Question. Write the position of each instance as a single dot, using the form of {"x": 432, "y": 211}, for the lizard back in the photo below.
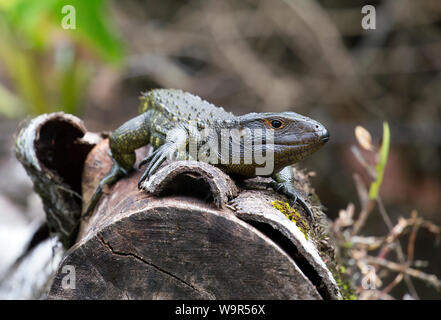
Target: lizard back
{"x": 169, "y": 108}
{"x": 183, "y": 107}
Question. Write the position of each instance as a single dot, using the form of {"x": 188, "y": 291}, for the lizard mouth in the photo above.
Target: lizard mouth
{"x": 304, "y": 141}
{"x": 306, "y": 147}
{"x": 325, "y": 137}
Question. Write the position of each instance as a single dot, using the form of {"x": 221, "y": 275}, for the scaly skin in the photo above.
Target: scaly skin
{"x": 182, "y": 116}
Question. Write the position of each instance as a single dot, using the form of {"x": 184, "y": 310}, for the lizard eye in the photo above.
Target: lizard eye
{"x": 276, "y": 124}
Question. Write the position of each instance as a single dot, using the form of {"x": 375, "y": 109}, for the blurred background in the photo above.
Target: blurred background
{"x": 308, "y": 56}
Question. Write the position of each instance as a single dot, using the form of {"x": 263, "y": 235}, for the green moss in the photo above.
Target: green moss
{"x": 293, "y": 215}
{"x": 346, "y": 290}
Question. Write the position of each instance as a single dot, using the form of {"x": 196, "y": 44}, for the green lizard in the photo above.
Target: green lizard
{"x": 172, "y": 119}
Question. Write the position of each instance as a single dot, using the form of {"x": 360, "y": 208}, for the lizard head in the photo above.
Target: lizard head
{"x": 295, "y": 136}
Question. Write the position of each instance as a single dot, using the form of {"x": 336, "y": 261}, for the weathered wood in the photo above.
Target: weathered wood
{"x": 52, "y": 148}
{"x": 177, "y": 244}
{"x": 212, "y": 182}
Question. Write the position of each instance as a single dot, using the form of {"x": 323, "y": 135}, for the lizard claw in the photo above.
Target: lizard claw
{"x": 295, "y": 200}
{"x": 156, "y": 159}
{"x": 146, "y": 159}
{"x": 141, "y": 180}
{"x": 304, "y": 206}
{"x": 289, "y": 191}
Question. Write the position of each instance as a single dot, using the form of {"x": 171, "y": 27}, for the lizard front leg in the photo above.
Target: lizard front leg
{"x": 284, "y": 183}
{"x": 123, "y": 142}
{"x": 174, "y": 145}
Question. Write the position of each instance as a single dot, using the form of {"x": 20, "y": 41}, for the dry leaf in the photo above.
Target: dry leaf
{"x": 364, "y": 138}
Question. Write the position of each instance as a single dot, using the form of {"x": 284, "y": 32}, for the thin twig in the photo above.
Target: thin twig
{"x": 398, "y": 248}
{"x": 429, "y": 278}
{"x": 359, "y": 223}
{"x": 412, "y": 239}
{"x": 393, "y": 284}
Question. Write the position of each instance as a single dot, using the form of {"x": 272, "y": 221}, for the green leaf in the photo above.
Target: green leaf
{"x": 33, "y": 32}
{"x": 384, "y": 153}
{"x": 36, "y": 21}
{"x": 30, "y": 20}
{"x": 93, "y": 27}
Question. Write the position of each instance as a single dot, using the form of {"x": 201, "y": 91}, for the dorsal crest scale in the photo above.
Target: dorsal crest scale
{"x": 182, "y": 105}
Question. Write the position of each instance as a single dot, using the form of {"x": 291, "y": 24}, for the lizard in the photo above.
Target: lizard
{"x": 167, "y": 121}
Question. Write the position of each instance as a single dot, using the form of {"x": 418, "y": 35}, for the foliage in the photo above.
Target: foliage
{"x": 48, "y": 68}
{"x": 381, "y": 165}
{"x": 368, "y": 261}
